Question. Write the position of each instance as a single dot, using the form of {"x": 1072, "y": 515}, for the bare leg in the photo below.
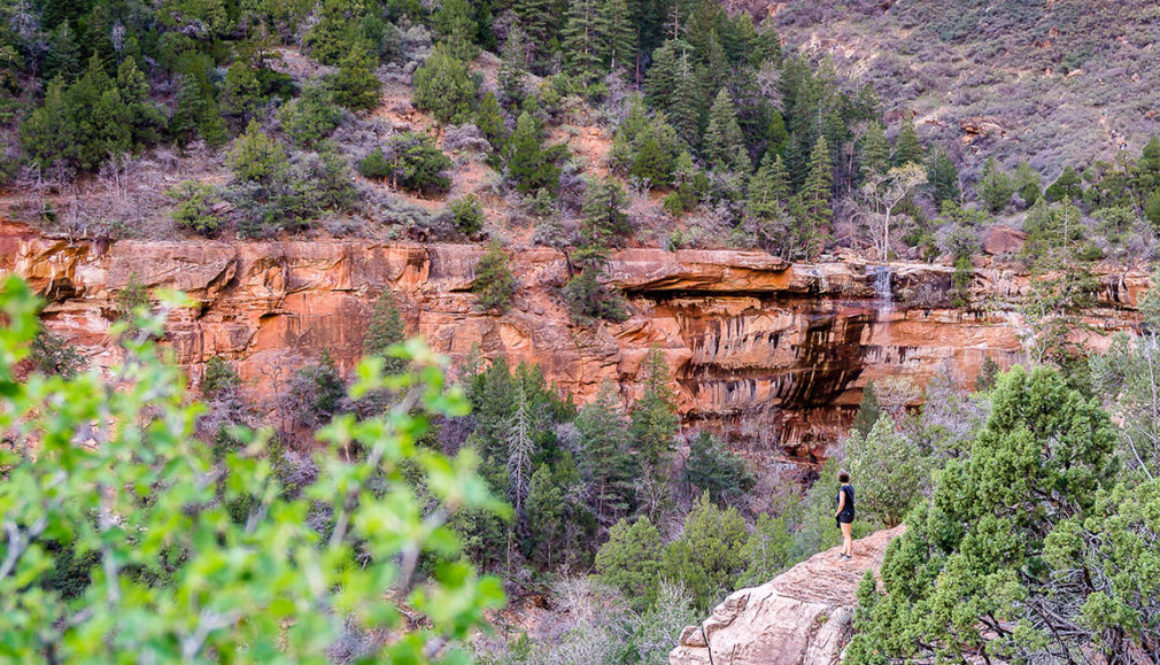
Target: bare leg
{"x": 847, "y": 540}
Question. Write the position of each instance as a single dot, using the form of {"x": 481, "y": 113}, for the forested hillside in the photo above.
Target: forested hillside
{"x": 345, "y": 517}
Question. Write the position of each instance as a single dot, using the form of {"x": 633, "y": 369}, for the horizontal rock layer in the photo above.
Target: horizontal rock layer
{"x": 777, "y": 352}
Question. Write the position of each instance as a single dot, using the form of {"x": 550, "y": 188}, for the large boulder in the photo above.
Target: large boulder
{"x": 802, "y": 617}
{"x": 1002, "y": 239}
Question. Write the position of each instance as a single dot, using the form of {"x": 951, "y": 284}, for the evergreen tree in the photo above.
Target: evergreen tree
{"x": 907, "y": 147}
{"x": 1069, "y": 185}
{"x": 536, "y": 18}
{"x": 707, "y": 556}
{"x": 617, "y": 34}
{"x": 687, "y": 103}
{"x": 631, "y": 561}
{"x": 660, "y": 80}
{"x": 256, "y": 157}
{"x": 724, "y": 146}
{"x": 528, "y": 164}
{"x": 768, "y": 552}
{"x": 943, "y": 178}
{"x": 513, "y": 66}
{"x": 545, "y": 509}
{"x": 654, "y": 416}
{"x": 241, "y": 94}
{"x": 583, "y": 45}
{"x": 890, "y": 471}
{"x": 869, "y": 410}
{"x": 875, "y": 155}
{"x": 337, "y": 30}
{"x": 814, "y": 212}
{"x": 50, "y": 134}
{"x": 604, "y": 221}
{"x": 197, "y": 113}
{"x": 964, "y": 559}
{"x": 1027, "y": 183}
{"x": 456, "y": 26}
{"x": 767, "y": 197}
{"x": 988, "y": 375}
{"x": 386, "y": 329}
{"x": 494, "y": 283}
{"x": 714, "y": 469}
{"x": 445, "y": 87}
{"x": 606, "y": 459}
{"x": 995, "y": 188}
{"x": 355, "y": 84}
{"x": 63, "y": 57}
{"x": 490, "y": 121}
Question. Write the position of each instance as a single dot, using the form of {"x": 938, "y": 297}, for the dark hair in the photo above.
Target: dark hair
{"x": 843, "y": 477}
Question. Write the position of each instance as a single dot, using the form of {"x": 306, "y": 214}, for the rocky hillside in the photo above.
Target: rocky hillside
{"x": 776, "y": 353}
{"x": 1056, "y": 81}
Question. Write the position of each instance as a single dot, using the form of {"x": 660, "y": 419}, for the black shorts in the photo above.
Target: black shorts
{"x": 845, "y": 518}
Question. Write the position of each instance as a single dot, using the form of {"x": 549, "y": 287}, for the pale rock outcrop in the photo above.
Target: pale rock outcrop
{"x": 802, "y": 617}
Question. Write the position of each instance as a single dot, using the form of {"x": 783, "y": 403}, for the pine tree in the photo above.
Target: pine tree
{"x": 769, "y": 189}
{"x": 707, "y": 556}
{"x": 604, "y": 221}
{"x": 724, "y": 146}
{"x": 49, "y": 135}
{"x": 890, "y": 471}
{"x": 545, "y": 509}
{"x": 445, "y": 87}
{"x": 1069, "y": 185}
{"x": 907, "y": 147}
{"x": 513, "y": 67}
{"x": 336, "y": 31}
{"x": 617, "y": 34}
{"x": 875, "y": 155}
{"x": 1027, "y": 183}
{"x": 256, "y": 157}
{"x": 456, "y": 26}
{"x": 241, "y": 95}
{"x": 490, "y": 121}
{"x": 494, "y": 283}
{"x": 527, "y": 165}
{"x": 536, "y": 18}
{"x": 943, "y": 178}
{"x": 654, "y": 417}
{"x": 606, "y": 459}
{"x": 988, "y": 374}
{"x": 714, "y": 469}
{"x": 813, "y": 212}
{"x": 868, "y": 410}
{"x": 583, "y": 46}
{"x": 197, "y": 113}
{"x": 768, "y": 552}
{"x": 63, "y": 57}
{"x": 660, "y": 79}
{"x": 386, "y": 329}
{"x": 355, "y": 84}
{"x": 687, "y": 104}
{"x": 631, "y": 561}
{"x": 995, "y": 188}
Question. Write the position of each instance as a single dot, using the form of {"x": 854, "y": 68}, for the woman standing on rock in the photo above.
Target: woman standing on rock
{"x": 845, "y": 514}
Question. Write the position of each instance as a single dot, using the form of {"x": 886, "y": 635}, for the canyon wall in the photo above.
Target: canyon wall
{"x": 776, "y": 353}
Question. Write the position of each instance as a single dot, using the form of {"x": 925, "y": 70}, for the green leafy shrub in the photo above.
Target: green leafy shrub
{"x": 588, "y": 300}
{"x": 53, "y": 356}
{"x": 311, "y": 117}
{"x": 355, "y": 84}
{"x": 411, "y": 161}
{"x": 467, "y": 212}
{"x": 445, "y": 87}
{"x": 194, "y": 209}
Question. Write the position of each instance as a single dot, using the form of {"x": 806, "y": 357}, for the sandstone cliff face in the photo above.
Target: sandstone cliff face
{"x": 802, "y": 617}
{"x": 779, "y": 350}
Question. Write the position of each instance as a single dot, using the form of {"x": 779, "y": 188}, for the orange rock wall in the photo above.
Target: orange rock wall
{"x": 776, "y": 353}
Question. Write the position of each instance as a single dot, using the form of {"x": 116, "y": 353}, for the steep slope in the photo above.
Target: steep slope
{"x": 776, "y": 353}
{"x": 801, "y": 617}
{"x": 1056, "y": 81}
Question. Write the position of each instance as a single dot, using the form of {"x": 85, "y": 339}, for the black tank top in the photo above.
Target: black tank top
{"x": 848, "y": 509}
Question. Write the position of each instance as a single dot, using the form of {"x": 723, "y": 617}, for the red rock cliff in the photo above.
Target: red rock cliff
{"x": 780, "y": 350}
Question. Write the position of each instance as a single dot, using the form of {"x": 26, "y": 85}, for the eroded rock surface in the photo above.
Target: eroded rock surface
{"x": 802, "y": 617}
{"x": 774, "y": 351}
